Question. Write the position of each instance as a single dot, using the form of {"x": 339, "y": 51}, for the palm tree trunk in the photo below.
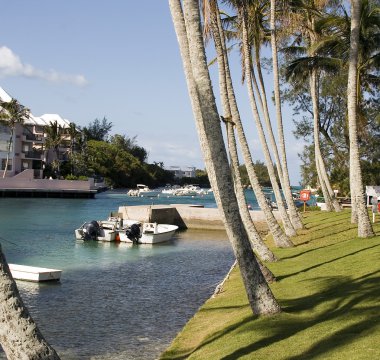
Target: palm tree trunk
{"x": 279, "y": 237}
{"x": 356, "y": 183}
{"x": 254, "y": 237}
{"x": 289, "y": 229}
{"x": 326, "y": 196}
{"x": 20, "y": 337}
{"x": 282, "y": 165}
{"x": 8, "y": 152}
{"x": 210, "y": 135}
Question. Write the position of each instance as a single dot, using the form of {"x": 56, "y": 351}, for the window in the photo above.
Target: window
{"x": 4, "y": 161}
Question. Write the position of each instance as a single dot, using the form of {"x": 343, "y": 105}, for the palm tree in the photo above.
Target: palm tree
{"x": 20, "y": 337}
{"x": 242, "y": 13}
{"x": 280, "y": 238}
{"x": 217, "y": 33}
{"x": 52, "y": 142}
{"x": 11, "y": 114}
{"x": 336, "y": 45}
{"x": 282, "y": 165}
{"x": 191, "y": 44}
{"x": 73, "y": 132}
{"x": 356, "y": 183}
{"x": 307, "y": 67}
{"x": 223, "y": 66}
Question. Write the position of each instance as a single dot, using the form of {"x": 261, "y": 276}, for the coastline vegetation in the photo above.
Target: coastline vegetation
{"x": 328, "y": 290}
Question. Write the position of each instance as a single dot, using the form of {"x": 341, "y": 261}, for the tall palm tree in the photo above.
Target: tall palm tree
{"x": 242, "y": 13}
{"x": 191, "y": 44}
{"x": 258, "y": 35}
{"x": 336, "y": 45}
{"x": 11, "y": 114}
{"x": 282, "y": 164}
{"x": 218, "y": 36}
{"x": 280, "y": 238}
{"x": 73, "y": 132}
{"x": 356, "y": 183}
{"x": 306, "y": 12}
{"x": 53, "y": 140}
{"x": 20, "y": 337}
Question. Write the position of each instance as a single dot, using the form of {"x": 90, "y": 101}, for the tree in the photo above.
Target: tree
{"x": 308, "y": 68}
{"x": 282, "y": 165}
{"x": 54, "y": 138}
{"x": 356, "y": 184}
{"x": 74, "y": 134}
{"x": 98, "y": 130}
{"x": 129, "y": 144}
{"x": 20, "y": 337}
{"x": 218, "y": 36}
{"x": 280, "y": 238}
{"x": 246, "y": 53}
{"x": 12, "y": 113}
{"x": 187, "y": 26}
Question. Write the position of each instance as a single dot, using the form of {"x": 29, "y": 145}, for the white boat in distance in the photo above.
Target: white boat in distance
{"x": 97, "y": 230}
{"x": 186, "y": 190}
{"x": 143, "y": 190}
{"x": 33, "y": 273}
{"x": 147, "y": 233}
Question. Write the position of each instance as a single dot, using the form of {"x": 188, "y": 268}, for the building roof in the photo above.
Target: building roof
{"x": 43, "y": 120}
{"x": 4, "y": 96}
{"x": 51, "y": 118}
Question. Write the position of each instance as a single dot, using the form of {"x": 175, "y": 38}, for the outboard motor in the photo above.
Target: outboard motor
{"x": 91, "y": 230}
{"x": 133, "y": 233}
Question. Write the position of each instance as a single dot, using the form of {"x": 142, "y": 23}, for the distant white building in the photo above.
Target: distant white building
{"x": 180, "y": 172}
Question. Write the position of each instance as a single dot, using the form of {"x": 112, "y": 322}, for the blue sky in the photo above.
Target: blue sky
{"x": 119, "y": 59}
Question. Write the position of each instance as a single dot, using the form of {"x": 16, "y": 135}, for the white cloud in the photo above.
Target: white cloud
{"x": 11, "y": 65}
{"x": 181, "y": 154}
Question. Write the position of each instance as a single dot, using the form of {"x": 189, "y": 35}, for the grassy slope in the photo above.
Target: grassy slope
{"x": 328, "y": 287}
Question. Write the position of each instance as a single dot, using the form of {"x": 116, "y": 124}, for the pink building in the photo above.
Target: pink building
{"x": 28, "y": 151}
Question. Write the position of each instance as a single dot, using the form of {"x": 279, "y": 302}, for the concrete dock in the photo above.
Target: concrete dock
{"x": 183, "y": 215}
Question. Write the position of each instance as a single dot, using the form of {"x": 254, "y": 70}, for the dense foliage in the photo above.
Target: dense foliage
{"x": 117, "y": 158}
{"x": 329, "y": 56}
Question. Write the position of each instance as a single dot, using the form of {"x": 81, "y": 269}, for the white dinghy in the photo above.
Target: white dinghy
{"x": 33, "y": 273}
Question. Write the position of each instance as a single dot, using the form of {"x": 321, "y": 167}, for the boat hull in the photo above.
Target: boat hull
{"x": 105, "y": 235}
{"x": 152, "y": 234}
{"x": 34, "y": 274}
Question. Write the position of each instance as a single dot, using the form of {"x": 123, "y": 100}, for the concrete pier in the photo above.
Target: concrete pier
{"x": 183, "y": 215}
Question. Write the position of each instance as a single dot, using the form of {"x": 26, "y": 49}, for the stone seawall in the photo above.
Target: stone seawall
{"x": 184, "y": 216}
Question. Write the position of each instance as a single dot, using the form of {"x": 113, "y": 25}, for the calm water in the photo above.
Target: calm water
{"x": 114, "y": 301}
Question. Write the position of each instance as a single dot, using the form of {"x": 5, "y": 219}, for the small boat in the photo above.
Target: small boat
{"x": 186, "y": 190}
{"x": 143, "y": 190}
{"x": 97, "y": 230}
{"x": 35, "y": 274}
{"x": 147, "y": 233}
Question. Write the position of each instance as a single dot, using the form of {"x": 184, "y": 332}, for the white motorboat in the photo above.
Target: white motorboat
{"x": 147, "y": 233}
{"x": 186, "y": 190}
{"x": 143, "y": 190}
{"x": 97, "y": 230}
{"x": 33, "y": 273}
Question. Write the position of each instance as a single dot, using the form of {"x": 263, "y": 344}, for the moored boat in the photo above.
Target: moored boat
{"x": 143, "y": 190}
{"x": 97, "y": 230}
{"x": 33, "y": 273}
{"x": 147, "y": 233}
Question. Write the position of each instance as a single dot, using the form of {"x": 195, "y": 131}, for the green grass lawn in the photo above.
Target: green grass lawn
{"x": 329, "y": 290}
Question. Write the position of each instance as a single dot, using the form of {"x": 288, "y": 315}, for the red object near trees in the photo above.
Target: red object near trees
{"x": 305, "y": 195}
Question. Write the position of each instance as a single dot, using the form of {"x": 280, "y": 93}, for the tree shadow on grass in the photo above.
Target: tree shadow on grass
{"x": 344, "y": 297}
{"x": 326, "y": 262}
{"x": 324, "y": 236}
{"x": 311, "y": 250}
{"x": 327, "y": 219}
